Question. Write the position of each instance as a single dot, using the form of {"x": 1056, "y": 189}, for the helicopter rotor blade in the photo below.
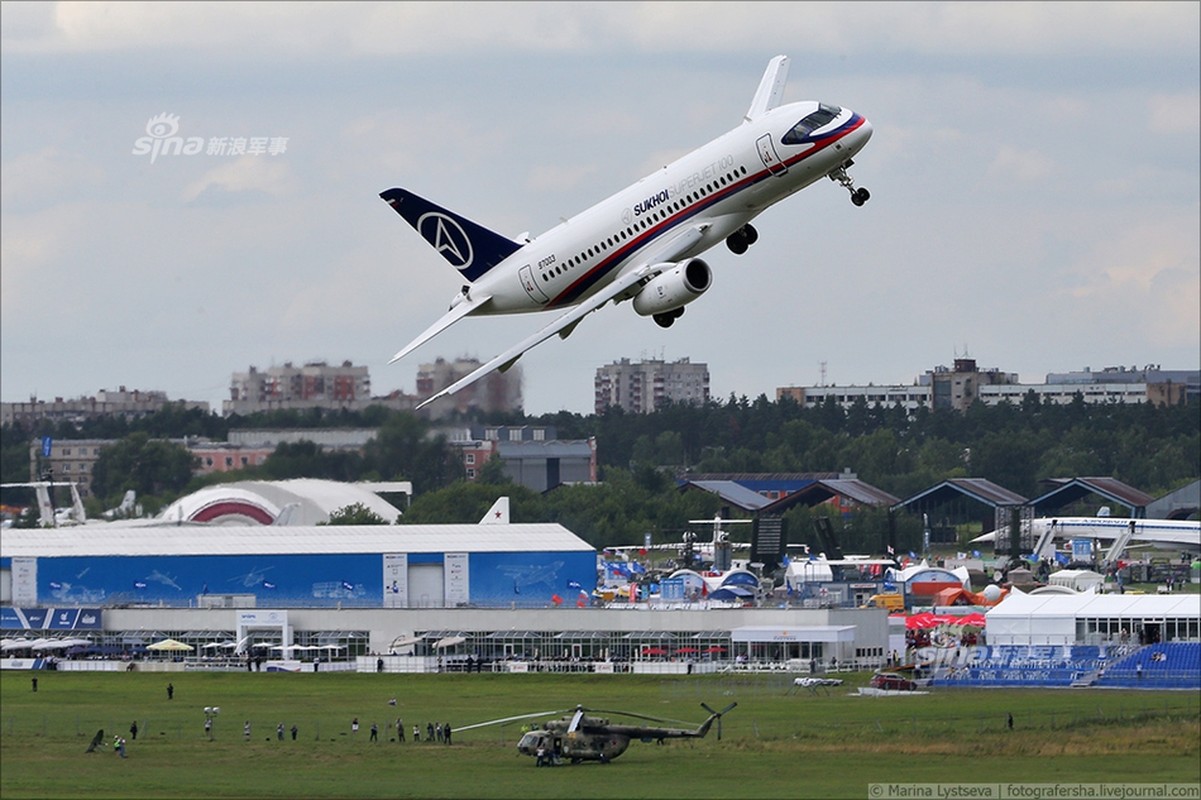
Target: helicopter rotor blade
{"x": 718, "y": 715}
{"x": 635, "y": 715}
{"x": 506, "y": 720}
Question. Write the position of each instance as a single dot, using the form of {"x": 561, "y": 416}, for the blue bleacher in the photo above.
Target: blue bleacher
{"x": 1171, "y": 665}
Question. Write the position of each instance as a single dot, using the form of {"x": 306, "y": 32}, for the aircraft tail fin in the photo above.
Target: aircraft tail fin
{"x": 470, "y": 248}
{"x": 771, "y": 88}
{"x": 499, "y": 513}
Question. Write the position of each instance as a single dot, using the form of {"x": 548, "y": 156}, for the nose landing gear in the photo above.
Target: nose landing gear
{"x": 840, "y": 176}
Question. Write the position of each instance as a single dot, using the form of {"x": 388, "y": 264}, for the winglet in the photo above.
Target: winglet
{"x": 771, "y": 88}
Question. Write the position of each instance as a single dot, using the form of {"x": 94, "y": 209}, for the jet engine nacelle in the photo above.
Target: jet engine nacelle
{"x": 674, "y": 288}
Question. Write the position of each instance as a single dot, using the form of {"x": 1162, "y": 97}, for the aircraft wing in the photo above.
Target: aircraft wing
{"x": 456, "y": 313}
{"x": 565, "y": 323}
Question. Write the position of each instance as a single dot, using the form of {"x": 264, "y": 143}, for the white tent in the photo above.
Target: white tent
{"x": 1078, "y": 579}
{"x": 1026, "y": 619}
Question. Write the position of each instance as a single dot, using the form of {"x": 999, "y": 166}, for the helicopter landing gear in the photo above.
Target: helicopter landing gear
{"x": 741, "y": 239}
{"x": 665, "y": 319}
{"x": 840, "y": 176}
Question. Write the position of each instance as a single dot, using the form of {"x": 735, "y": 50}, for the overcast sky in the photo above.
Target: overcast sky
{"x": 1034, "y": 174}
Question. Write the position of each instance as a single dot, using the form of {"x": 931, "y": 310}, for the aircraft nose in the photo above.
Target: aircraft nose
{"x": 862, "y": 133}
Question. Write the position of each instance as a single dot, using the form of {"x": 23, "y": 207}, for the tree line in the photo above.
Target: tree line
{"x": 1153, "y": 448}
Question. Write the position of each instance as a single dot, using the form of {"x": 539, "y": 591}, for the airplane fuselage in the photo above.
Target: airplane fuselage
{"x": 1173, "y": 533}
{"x": 716, "y": 190}
{"x": 642, "y": 243}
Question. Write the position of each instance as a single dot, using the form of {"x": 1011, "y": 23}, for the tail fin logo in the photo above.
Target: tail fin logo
{"x": 447, "y": 236}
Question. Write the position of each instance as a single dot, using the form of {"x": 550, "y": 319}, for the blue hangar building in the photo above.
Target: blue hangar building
{"x": 359, "y": 566}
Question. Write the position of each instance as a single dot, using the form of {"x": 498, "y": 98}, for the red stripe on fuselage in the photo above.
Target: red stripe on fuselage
{"x": 571, "y": 294}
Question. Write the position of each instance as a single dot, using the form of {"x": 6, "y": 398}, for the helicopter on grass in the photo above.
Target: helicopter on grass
{"x": 578, "y": 736}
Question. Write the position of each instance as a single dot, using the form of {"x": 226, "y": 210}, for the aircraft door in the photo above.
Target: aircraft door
{"x": 767, "y": 153}
{"x": 530, "y": 284}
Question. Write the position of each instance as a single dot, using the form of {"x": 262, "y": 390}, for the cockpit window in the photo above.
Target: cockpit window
{"x": 823, "y": 116}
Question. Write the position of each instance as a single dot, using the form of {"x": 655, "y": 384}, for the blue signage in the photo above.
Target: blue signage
{"x": 49, "y": 619}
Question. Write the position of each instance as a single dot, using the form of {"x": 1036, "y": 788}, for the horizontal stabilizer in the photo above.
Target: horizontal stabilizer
{"x": 456, "y": 313}
{"x": 469, "y": 247}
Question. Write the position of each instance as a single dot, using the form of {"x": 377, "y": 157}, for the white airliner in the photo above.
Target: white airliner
{"x": 642, "y": 243}
{"x": 1185, "y": 534}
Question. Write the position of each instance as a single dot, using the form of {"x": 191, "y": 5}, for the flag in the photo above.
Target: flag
{"x": 268, "y": 585}
{"x": 558, "y": 601}
{"x": 348, "y": 586}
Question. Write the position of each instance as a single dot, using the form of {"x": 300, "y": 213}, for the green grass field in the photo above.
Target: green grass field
{"x": 776, "y": 743}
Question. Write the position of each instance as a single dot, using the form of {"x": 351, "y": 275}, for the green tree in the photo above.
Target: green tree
{"x": 404, "y": 449}
{"x": 354, "y": 514}
{"x": 151, "y": 467}
{"x": 305, "y": 459}
{"x": 492, "y": 473}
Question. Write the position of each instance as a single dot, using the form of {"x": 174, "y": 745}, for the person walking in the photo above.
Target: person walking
{"x": 354, "y": 725}
{"x": 208, "y": 728}
{"x": 400, "y": 729}
{"x": 279, "y": 731}
{"x": 170, "y": 691}
{"x": 246, "y": 731}
{"x": 295, "y": 731}
{"x": 133, "y": 730}
{"x": 374, "y": 732}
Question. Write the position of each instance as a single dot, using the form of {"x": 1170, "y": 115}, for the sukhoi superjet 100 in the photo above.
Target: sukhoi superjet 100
{"x": 642, "y": 244}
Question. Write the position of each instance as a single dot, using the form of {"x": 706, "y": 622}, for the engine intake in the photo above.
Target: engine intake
{"x": 674, "y": 288}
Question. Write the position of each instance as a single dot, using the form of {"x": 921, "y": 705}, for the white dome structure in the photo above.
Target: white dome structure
{"x": 303, "y": 501}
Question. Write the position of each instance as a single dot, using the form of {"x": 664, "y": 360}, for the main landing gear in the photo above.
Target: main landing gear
{"x": 741, "y": 239}
{"x": 665, "y": 319}
{"x": 840, "y": 176}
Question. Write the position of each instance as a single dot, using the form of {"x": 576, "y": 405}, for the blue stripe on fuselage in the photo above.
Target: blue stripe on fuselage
{"x": 581, "y": 285}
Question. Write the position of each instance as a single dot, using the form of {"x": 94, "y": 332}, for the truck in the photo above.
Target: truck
{"x": 891, "y": 601}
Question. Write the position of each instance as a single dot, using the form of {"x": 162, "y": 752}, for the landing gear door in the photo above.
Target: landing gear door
{"x": 767, "y": 152}
{"x": 531, "y": 286}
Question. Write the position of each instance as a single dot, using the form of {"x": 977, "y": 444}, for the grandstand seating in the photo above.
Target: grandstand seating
{"x": 1170, "y": 665}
